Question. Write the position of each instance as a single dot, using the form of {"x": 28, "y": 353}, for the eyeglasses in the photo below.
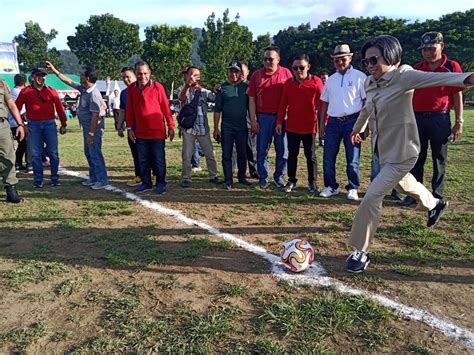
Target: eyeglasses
{"x": 372, "y": 60}
{"x": 298, "y": 67}
{"x": 268, "y": 59}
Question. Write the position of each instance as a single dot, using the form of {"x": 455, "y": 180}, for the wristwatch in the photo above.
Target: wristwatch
{"x": 91, "y": 134}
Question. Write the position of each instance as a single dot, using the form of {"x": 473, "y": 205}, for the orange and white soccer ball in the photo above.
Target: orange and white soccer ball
{"x": 297, "y": 255}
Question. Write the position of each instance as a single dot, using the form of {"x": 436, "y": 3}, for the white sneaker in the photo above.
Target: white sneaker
{"x": 87, "y": 182}
{"x": 197, "y": 168}
{"x": 99, "y": 185}
{"x": 329, "y": 191}
{"x": 352, "y": 195}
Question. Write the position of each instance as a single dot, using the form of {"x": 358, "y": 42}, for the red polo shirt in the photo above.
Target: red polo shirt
{"x": 267, "y": 88}
{"x": 299, "y": 102}
{"x": 435, "y": 98}
{"x": 147, "y": 110}
{"x": 41, "y": 104}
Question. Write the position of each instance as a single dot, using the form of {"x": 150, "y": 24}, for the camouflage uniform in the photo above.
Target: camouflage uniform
{"x": 7, "y": 150}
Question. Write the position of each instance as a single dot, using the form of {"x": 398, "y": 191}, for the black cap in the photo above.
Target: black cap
{"x": 431, "y": 39}
{"x": 235, "y": 65}
{"x": 36, "y": 71}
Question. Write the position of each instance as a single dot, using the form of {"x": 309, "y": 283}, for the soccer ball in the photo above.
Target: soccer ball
{"x": 297, "y": 255}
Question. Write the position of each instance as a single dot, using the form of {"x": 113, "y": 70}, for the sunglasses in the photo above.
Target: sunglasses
{"x": 372, "y": 60}
{"x": 268, "y": 59}
{"x": 299, "y": 67}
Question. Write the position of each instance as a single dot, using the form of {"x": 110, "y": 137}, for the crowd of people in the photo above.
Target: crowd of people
{"x": 403, "y": 110}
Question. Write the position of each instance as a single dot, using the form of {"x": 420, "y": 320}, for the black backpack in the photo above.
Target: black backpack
{"x": 188, "y": 113}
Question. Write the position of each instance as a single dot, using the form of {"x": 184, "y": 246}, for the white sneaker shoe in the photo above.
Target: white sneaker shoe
{"x": 352, "y": 195}
{"x": 329, "y": 191}
{"x": 99, "y": 186}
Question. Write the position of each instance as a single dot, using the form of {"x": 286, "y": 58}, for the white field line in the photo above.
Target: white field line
{"x": 314, "y": 276}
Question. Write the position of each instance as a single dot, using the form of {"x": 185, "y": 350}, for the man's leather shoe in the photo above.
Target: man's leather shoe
{"x": 12, "y": 195}
{"x": 408, "y": 201}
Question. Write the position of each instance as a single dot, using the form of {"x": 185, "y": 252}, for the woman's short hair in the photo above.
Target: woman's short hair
{"x": 389, "y": 46}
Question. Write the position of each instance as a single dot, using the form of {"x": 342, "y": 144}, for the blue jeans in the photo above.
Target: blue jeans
{"x": 43, "y": 132}
{"x": 93, "y": 153}
{"x": 264, "y": 140}
{"x": 151, "y": 154}
{"x": 337, "y": 131}
{"x": 196, "y": 158}
{"x": 228, "y": 138}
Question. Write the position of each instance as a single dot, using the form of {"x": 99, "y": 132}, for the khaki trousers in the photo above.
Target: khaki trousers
{"x": 187, "y": 153}
{"x": 7, "y": 154}
{"x": 391, "y": 176}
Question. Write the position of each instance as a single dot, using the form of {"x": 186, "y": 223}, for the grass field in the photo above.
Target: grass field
{"x": 85, "y": 271}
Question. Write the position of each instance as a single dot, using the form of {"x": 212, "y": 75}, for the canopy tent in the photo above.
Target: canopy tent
{"x": 51, "y": 80}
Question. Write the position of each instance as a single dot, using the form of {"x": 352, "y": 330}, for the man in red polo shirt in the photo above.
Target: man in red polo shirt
{"x": 299, "y": 102}
{"x": 265, "y": 90}
{"x": 42, "y": 104}
{"x": 146, "y": 111}
{"x": 432, "y": 112}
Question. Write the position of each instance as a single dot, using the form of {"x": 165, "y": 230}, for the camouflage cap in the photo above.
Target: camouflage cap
{"x": 431, "y": 39}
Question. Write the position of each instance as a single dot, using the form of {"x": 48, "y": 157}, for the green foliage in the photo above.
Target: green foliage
{"x": 70, "y": 61}
{"x": 168, "y": 49}
{"x": 33, "y": 47}
{"x": 319, "y": 42}
{"x": 223, "y": 40}
{"x": 259, "y": 45}
{"x": 22, "y": 337}
{"x": 105, "y": 43}
{"x": 32, "y": 271}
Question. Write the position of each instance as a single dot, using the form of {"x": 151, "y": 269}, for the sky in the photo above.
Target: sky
{"x": 260, "y": 16}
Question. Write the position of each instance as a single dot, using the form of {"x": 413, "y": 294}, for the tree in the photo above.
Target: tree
{"x": 168, "y": 49}
{"x": 70, "y": 62}
{"x": 106, "y": 43}
{"x": 223, "y": 41}
{"x": 259, "y": 46}
{"x": 33, "y": 47}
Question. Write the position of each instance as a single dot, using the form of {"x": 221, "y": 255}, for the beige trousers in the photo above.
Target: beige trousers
{"x": 7, "y": 154}
{"x": 368, "y": 214}
{"x": 187, "y": 153}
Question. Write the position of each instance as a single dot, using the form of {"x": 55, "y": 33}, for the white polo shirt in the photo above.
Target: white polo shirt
{"x": 344, "y": 93}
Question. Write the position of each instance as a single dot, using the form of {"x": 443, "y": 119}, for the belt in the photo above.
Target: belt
{"x": 431, "y": 113}
{"x": 347, "y": 118}
{"x": 268, "y": 113}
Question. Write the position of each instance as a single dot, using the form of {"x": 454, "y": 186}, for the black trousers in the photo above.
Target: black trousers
{"x": 21, "y": 150}
{"x": 434, "y": 130}
{"x": 309, "y": 146}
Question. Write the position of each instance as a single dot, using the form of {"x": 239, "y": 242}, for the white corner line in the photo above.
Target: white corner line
{"x": 313, "y": 276}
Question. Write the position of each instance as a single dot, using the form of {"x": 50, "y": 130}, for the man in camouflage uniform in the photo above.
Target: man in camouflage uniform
{"x": 7, "y": 150}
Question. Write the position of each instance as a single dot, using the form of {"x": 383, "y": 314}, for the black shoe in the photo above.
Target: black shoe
{"x": 38, "y": 185}
{"x": 12, "y": 195}
{"x": 435, "y": 214}
{"x": 245, "y": 182}
{"x": 395, "y": 195}
{"x": 357, "y": 261}
{"x": 288, "y": 187}
{"x": 254, "y": 176}
{"x": 55, "y": 183}
{"x": 185, "y": 183}
{"x": 408, "y": 201}
{"x": 227, "y": 186}
{"x": 215, "y": 180}
{"x": 280, "y": 183}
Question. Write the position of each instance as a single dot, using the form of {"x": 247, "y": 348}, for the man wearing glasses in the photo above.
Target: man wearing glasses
{"x": 343, "y": 97}
{"x": 265, "y": 90}
{"x": 42, "y": 104}
{"x": 299, "y": 103}
{"x": 432, "y": 112}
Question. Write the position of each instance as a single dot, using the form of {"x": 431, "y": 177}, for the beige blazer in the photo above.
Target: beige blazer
{"x": 388, "y": 110}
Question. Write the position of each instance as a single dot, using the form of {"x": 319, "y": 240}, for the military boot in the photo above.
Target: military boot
{"x": 12, "y": 195}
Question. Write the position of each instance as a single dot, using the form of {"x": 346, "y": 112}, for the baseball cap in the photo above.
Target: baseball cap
{"x": 431, "y": 39}
{"x": 235, "y": 65}
{"x": 37, "y": 70}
